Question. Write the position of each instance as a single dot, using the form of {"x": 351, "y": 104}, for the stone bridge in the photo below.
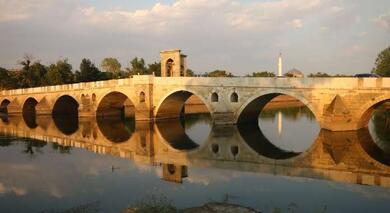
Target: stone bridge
{"x": 337, "y": 156}
{"x": 339, "y": 104}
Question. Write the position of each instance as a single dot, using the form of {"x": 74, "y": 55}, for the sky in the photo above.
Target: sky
{"x": 240, "y": 36}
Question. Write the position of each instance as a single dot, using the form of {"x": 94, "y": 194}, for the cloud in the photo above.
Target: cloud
{"x": 383, "y": 21}
{"x": 296, "y": 23}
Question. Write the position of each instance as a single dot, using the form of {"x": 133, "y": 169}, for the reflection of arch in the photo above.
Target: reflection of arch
{"x": 234, "y": 97}
{"x": 173, "y": 132}
{"x": 169, "y": 67}
{"x": 367, "y": 109}
{"x": 3, "y": 106}
{"x": 115, "y": 104}
{"x": 251, "y": 109}
{"x": 66, "y": 105}
{"x": 171, "y": 105}
{"x": 214, "y": 97}
{"x": 254, "y": 137}
{"x": 29, "y": 112}
{"x": 66, "y": 124}
{"x": 115, "y": 129}
{"x": 371, "y": 148}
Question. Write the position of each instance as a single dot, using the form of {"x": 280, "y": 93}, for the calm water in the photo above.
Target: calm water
{"x": 284, "y": 164}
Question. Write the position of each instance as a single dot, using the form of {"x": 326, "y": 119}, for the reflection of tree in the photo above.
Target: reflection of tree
{"x": 33, "y": 146}
{"x": 293, "y": 113}
{"x": 381, "y": 125}
{"x": 61, "y": 149}
{"x": 5, "y": 140}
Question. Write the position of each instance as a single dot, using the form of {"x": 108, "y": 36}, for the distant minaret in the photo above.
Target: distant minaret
{"x": 280, "y": 65}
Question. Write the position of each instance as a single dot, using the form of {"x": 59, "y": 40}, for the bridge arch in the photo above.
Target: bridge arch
{"x": 171, "y": 105}
{"x": 366, "y": 111}
{"x": 115, "y": 103}
{"x": 29, "y": 112}
{"x": 251, "y": 109}
{"x": 3, "y": 105}
{"x": 65, "y": 105}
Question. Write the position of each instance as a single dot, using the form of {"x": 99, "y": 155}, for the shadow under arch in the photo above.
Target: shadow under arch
{"x": 172, "y": 105}
{"x": 115, "y": 104}
{"x": 250, "y": 111}
{"x": 29, "y": 112}
{"x": 255, "y": 139}
{"x": 3, "y": 106}
{"x": 65, "y": 114}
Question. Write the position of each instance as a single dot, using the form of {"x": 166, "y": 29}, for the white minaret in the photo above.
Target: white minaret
{"x": 280, "y": 65}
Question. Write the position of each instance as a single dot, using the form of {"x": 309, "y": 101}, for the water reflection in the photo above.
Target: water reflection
{"x": 116, "y": 129}
{"x": 67, "y": 124}
{"x": 292, "y": 129}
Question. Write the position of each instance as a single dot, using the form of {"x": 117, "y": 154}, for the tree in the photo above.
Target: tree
{"x": 318, "y": 74}
{"x": 137, "y": 67}
{"x": 382, "y": 63}
{"x": 88, "y": 71}
{"x": 190, "y": 73}
{"x": 111, "y": 65}
{"x": 60, "y": 73}
{"x": 262, "y": 74}
{"x": 4, "y": 79}
{"x": 154, "y": 68}
{"x": 219, "y": 73}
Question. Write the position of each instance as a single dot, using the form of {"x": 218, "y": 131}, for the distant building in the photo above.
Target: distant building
{"x": 294, "y": 73}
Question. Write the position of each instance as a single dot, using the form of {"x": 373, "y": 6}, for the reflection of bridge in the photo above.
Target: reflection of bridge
{"x": 337, "y": 103}
{"x": 336, "y": 156}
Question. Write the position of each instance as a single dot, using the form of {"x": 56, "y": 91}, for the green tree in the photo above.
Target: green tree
{"x": 111, "y": 65}
{"x": 262, "y": 74}
{"x": 4, "y": 79}
{"x": 219, "y": 73}
{"x": 60, "y": 73}
{"x": 88, "y": 72}
{"x": 154, "y": 68}
{"x": 137, "y": 67}
{"x": 190, "y": 73}
{"x": 318, "y": 74}
{"x": 382, "y": 63}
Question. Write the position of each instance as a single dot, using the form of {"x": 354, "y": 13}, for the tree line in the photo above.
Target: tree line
{"x": 33, "y": 73}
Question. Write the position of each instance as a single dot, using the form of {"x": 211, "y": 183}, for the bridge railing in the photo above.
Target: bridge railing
{"x": 67, "y": 87}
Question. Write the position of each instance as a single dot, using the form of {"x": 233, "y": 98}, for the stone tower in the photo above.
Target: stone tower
{"x": 173, "y": 63}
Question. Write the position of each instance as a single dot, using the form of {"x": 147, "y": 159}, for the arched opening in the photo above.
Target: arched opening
{"x": 169, "y": 67}
{"x": 29, "y": 112}
{"x": 377, "y": 120}
{"x": 3, "y": 106}
{"x": 116, "y": 117}
{"x": 66, "y": 105}
{"x": 184, "y": 120}
{"x": 141, "y": 97}
{"x": 65, "y": 114}
{"x": 115, "y": 104}
{"x": 234, "y": 97}
{"x": 278, "y": 126}
{"x": 214, "y": 97}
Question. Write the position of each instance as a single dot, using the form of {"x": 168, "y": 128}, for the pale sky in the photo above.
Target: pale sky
{"x": 241, "y": 36}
